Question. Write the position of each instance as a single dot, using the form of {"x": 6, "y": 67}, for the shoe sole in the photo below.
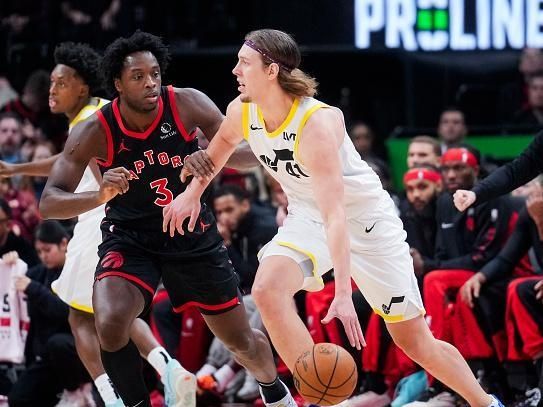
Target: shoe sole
{"x": 185, "y": 388}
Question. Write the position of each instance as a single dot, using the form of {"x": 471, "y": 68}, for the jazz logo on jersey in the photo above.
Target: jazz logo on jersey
{"x": 287, "y": 156}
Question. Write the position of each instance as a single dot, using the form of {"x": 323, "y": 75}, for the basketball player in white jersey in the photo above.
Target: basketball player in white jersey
{"x": 73, "y": 81}
{"x": 338, "y": 215}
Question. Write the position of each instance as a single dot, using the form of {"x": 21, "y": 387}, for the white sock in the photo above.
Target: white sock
{"x": 159, "y": 358}
{"x": 105, "y": 388}
{"x": 224, "y": 375}
{"x": 206, "y": 370}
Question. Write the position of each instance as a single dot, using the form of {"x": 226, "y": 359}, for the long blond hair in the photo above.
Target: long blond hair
{"x": 279, "y": 47}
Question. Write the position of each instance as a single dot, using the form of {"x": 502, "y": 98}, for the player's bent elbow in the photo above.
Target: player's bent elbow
{"x": 45, "y": 208}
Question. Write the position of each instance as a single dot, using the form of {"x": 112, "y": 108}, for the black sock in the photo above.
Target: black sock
{"x": 273, "y": 391}
{"x": 124, "y": 368}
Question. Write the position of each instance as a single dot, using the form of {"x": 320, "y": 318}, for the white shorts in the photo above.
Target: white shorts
{"x": 74, "y": 285}
{"x": 382, "y": 267}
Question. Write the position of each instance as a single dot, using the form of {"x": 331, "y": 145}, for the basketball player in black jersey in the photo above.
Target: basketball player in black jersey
{"x": 140, "y": 141}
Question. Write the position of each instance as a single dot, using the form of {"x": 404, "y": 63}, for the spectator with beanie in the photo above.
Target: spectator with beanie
{"x": 53, "y": 365}
{"x": 422, "y": 186}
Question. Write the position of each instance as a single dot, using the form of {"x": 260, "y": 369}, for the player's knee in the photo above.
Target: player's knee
{"x": 113, "y": 330}
{"x": 266, "y": 298}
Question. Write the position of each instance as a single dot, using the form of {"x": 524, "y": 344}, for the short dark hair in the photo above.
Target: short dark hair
{"x": 84, "y": 60}
{"x": 233, "y": 190}
{"x": 51, "y": 231}
{"x": 453, "y": 108}
{"x": 428, "y": 140}
{"x": 117, "y": 51}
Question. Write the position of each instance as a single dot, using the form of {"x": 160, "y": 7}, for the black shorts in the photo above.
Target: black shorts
{"x": 195, "y": 269}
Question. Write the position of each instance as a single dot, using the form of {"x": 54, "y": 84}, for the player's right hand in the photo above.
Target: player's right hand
{"x": 198, "y": 164}
{"x": 186, "y": 205}
{"x": 342, "y": 308}
{"x": 463, "y": 199}
{"x": 114, "y": 182}
{"x": 6, "y": 170}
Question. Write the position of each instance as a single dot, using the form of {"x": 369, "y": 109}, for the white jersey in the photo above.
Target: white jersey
{"x": 278, "y": 151}
{"x": 88, "y": 181}
{"x": 74, "y": 285}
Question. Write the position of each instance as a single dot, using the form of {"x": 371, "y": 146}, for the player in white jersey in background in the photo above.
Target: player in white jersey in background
{"x": 338, "y": 215}
{"x": 73, "y": 81}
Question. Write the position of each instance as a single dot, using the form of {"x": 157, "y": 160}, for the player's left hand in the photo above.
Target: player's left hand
{"x": 199, "y": 165}
{"x": 342, "y": 308}
{"x": 184, "y": 206}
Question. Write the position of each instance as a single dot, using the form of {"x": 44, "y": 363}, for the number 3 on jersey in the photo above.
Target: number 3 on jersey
{"x": 165, "y": 195}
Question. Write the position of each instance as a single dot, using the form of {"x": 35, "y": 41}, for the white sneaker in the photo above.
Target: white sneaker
{"x": 179, "y": 386}
{"x": 286, "y": 401}
{"x": 250, "y": 389}
{"x": 72, "y": 399}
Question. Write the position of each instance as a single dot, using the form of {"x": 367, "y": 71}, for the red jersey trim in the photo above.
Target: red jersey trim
{"x": 136, "y": 134}
{"x": 109, "y": 139}
{"x": 217, "y": 307}
{"x": 175, "y": 113}
{"x": 128, "y": 277}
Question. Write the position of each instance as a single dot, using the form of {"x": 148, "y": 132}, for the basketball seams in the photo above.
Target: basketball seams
{"x": 345, "y": 381}
{"x": 305, "y": 381}
{"x": 315, "y": 366}
{"x": 331, "y": 376}
{"x": 311, "y": 385}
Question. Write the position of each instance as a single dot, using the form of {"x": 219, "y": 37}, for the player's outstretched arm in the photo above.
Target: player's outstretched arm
{"x": 38, "y": 168}
{"x": 319, "y": 144}
{"x": 58, "y": 200}
{"x": 219, "y": 150}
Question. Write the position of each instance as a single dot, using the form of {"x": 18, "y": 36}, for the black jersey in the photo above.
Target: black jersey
{"x": 154, "y": 159}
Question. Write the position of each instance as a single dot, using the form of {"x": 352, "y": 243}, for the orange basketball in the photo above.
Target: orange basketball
{"x": 326, "y": 375}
